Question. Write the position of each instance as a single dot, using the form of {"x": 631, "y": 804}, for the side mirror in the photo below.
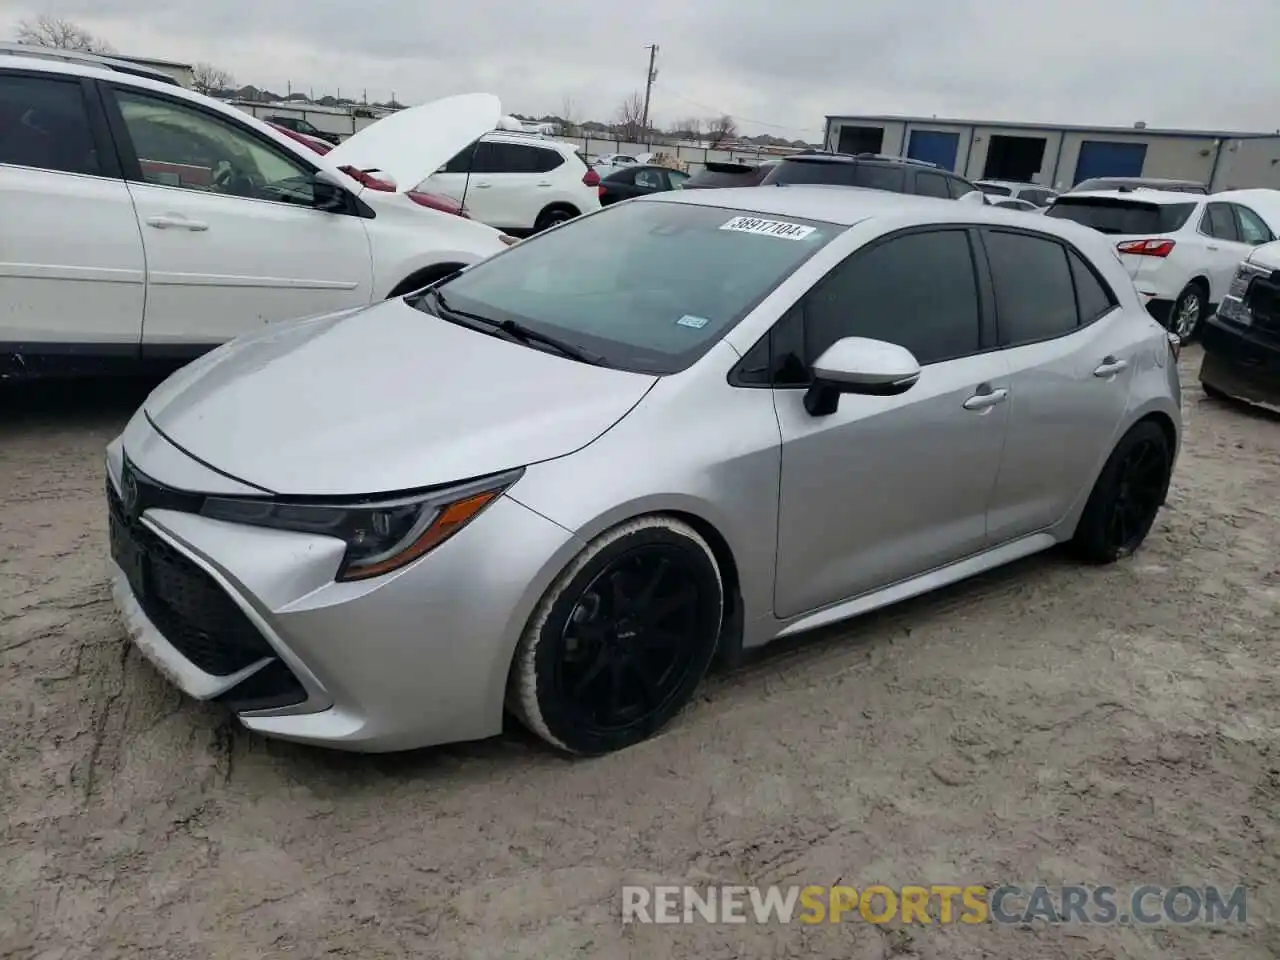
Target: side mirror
{"x": 327, "y": 194}
{"x": 858, "y": 365}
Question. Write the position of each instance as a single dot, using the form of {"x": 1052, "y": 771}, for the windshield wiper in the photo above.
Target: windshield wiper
{"x": 516, "y": 331}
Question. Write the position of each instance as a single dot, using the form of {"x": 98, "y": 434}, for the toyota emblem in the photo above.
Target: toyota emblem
{"x": 129, "y": 493}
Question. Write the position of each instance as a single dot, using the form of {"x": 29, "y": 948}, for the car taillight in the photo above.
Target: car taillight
{"x": 367, "y": 179}
{"x": 591, "y": 178}
{"x": 436, "y": 203}
{"x": 1146, "y": 248}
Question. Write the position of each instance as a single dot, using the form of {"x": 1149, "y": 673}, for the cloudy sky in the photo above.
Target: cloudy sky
{"x": 776, "y": 67}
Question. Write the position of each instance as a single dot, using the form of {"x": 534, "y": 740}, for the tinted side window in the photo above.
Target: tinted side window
{"x": 1253, "y": 230}
{"x": 932, "y": 185}
{"x": 1035, "y": 297}
{"x": 1219, "y": 222}
{"x": 1037, "y": 197}
{"x": 916, "y": 290}
{"x": 44, "y": 124}
{"x": 542, "y": 160}
{"x": 463, "y": 159}
{"x": 960, "y": 187}
{"x": 1093, "y": 296}
{"x": 880, "y": 177}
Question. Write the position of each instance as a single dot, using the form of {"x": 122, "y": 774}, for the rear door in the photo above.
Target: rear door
{"x": 72, "y": 272}
{"x": 1223, "y": 246}
{"x": 231, "y": 236}
{"x": 888, "y": 487}
{"x": 1071, "y": 362}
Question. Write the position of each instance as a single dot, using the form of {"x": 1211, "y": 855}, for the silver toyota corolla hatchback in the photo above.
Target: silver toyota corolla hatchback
{"x": 559, "y": 482}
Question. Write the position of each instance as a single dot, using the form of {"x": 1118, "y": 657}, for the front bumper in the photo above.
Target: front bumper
{"x": 1241, "y": 361}
{"x": 415, "y": 658}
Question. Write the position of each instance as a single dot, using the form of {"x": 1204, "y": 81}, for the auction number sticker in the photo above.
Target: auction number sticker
{"x": 769, "y": 228}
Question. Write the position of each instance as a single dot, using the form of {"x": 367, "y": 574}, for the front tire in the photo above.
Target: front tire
{"x": 1126, "y": 497}
{"x": 553, "y": 216}
{"x": 619, "y": 642}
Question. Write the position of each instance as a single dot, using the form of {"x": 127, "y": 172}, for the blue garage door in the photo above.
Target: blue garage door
{"x": 1105, "y": 158}
{"x": 934, "y": 147}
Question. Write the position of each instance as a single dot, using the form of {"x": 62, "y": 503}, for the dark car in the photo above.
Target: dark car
{"x": 716, "y": 175}
{"x": 638, "y": 181}
{"x": 1242, "y": 340}
{"x": 298, "y": 125}
{"x": 874, "y": 171}
{"x": 1133, "y": 183}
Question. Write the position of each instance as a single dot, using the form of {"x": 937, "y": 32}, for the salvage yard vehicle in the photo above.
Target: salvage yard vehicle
{"x": 1242, "y": 340}
{"x": 1032, "y": 194}
{"x": 639, "y": 180}
{"x": 145, "y": 224}
{"x": 1181, "y": 249}
{"x": 683, "y": 426}
{"x": 873, "y": 171}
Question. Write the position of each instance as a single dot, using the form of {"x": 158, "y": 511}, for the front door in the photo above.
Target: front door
{"x": 1072, "y": 355}
{"x": 232, "y": 241}
{"x": 889, "y": 487}
{"x": 1223, "y": 246}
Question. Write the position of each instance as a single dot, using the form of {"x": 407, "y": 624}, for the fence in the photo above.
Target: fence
{"x": 694, "y": 155}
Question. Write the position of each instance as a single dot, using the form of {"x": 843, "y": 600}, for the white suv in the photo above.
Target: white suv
{"x": 519, "y": 182}
{"x": 1182, "y": 250}
{"x": 143, "y": 223}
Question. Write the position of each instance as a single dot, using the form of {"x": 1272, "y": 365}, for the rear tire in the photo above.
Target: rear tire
{"x": 1188, "y": 311}
{"x": 1126, "y": 497}
{"x": 620, "y": 640}
{"x": 1213, "y": 392}
{"x": 553, "y": 216}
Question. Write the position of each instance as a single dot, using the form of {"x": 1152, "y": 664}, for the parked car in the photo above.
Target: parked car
{"x": 878, "y": 172}
{"x": 1242, "y": 340}
{"x": 1181, "y": 249}
{"x": 518, "y": 182}
{"x": 605, "y": 161}
{"x": 195, "y": 222}
{"x": 718, "y": 175}
{"x": 1009, "y": 203}
{"x": 314, "y": 143}
{"x": 639, "y": 180}
{"x": 1032, "y": 193}
{"x": 516, "y": 510}
{"x": 304, "y": 127}
{"x": 1136, "y": 183}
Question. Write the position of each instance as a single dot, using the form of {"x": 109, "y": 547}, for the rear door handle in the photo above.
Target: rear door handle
{"x": 544, "y": 183}
{"x": 181, "y": 223}
{"x": 1110, "y": 366}
{"x": 1212, "y": 246}
{"x": 482, "y": 186}
{"x": 987, "y": 400}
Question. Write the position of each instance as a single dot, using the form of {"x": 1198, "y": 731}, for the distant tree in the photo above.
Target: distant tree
{"x": 689, "y": 128}
{"x": 720, "y": 129}
{"x": 631, "y": 118}
{"x": 209, "y": 79}
{"x": 46, "y": 31}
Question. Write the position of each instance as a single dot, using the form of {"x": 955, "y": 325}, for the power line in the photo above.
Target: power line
{"x": 741, "y": 119}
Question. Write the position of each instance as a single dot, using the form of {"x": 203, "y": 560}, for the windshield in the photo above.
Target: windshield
{"x": 647, "y": 286}
{"x": 1114, "y": 216}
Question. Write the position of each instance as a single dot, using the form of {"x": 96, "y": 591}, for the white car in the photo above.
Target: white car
{"x": 1032, "y": 193}
{"x": 143, "y": 223}
{"x": 1181, "y": 249}
{"x": 519, "y": 182}
{"x": 1009, "y": 203}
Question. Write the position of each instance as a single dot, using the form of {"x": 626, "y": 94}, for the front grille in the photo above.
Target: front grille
{"x": 183, "y": 602}
{"x": 1263, "y": 301}
{"x": 271, "y": 687}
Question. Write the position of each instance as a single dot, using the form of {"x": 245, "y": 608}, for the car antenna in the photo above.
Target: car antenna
{"x": 466, "y": 184}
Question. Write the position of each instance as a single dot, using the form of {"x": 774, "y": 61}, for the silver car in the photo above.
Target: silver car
{"x": 561, "y": 481}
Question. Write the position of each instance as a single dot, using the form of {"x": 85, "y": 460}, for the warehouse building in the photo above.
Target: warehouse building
{"x": 1059, "y": 156}
{"x": 183, "y": 73}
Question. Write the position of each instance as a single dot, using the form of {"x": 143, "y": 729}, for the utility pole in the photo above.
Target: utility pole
{"x": 648, "y": 87}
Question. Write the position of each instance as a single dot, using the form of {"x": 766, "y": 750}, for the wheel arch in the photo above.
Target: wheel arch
{"x": 422, "y": 276}
{"x": 557, "y": 206}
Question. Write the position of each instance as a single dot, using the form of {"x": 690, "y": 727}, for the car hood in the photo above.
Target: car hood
{"x": 384, "y": 398}
{"x": 1266, "y": 256}
{"x": 410, "y": 145}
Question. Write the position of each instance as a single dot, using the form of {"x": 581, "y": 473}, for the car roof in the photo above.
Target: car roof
{"x": 1016, "y": 184}
{"x": 529, "y": 139}
{"x": 1138, "y": 195}
{"x": 32, "y": 56}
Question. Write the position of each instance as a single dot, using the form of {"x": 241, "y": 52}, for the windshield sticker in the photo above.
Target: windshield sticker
{"x": 691, "y": 321}
{"x": 768, "y": 228}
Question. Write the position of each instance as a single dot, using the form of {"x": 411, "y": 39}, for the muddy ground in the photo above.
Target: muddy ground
{"x": 1046, "y": 723}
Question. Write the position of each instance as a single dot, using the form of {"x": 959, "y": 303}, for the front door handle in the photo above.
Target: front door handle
{"x": 1110, "y": 366}
{"x": 181, "y": 223}
{"x": 1212, "y": 246}
{"x": 985, "y": 400}
{"x": 544, "y": 183}
{"x": 482, "y": 186}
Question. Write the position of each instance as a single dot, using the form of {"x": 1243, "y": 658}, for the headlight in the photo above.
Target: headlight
{"x": 381, "y": 535}
{"x": 1246, "y": 273}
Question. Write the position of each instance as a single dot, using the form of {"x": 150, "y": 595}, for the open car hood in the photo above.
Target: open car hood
{"x": 411, "y": 144}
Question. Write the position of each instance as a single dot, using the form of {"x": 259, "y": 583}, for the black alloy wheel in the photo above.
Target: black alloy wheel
{"x": 1127, "y": 496}
{"x": 621, "y": 641}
